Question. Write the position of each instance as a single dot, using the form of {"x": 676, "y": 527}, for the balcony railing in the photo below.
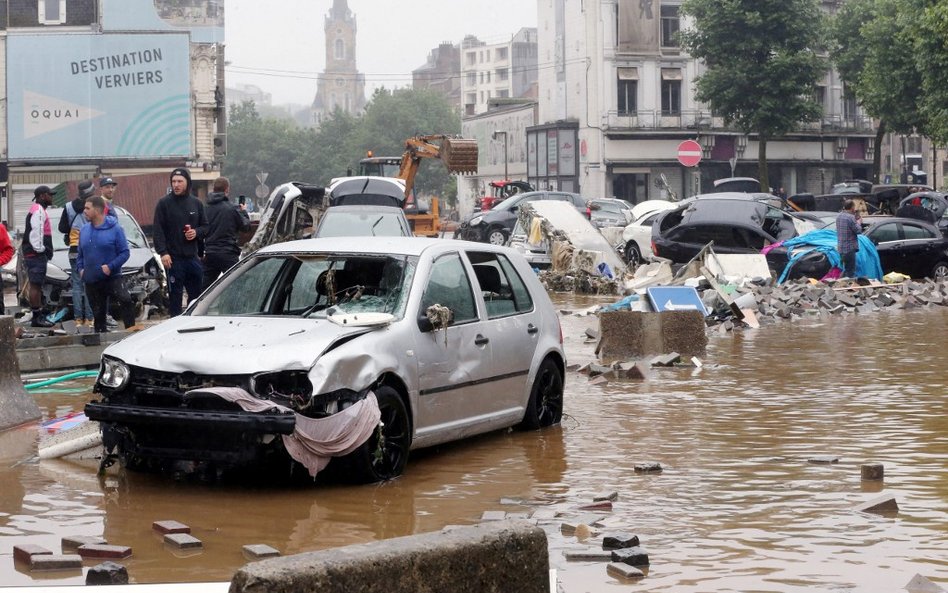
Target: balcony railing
{"x": 703, "y": 120}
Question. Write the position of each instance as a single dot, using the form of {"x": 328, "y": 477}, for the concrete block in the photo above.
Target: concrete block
{"x": 170, "y": 527}
{"x": 630, "y": 334}
{"x": 260, "y": 551}
{"x": 616, "y": 541}
{"x": 684, "y": 332}
{"x": 72, "y": 542}
{"x": 183, "y": 541}
{"x": 107, "y": 573}
{"x": 631, "y": 556}
{"x": 55, "y": 562}
{"x": 872, "y": 471}
{"x": 24, "y": 552}
{"x": 493, "y": 557}
{"x": 883, "y": 505}
{"x": 618, "y": 569}
{"x": 104, "y": 551}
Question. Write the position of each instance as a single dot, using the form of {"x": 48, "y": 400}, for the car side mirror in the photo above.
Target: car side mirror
{"x": 424, "y": 324}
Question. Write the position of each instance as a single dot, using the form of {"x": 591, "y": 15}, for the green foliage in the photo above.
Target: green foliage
{"x": 762, "y": 63}
{"x": 931, "y": 51}
{"x": 291, "y": 153}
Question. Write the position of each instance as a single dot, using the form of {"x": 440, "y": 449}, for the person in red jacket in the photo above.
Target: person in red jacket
{"x": 6, "y": 254}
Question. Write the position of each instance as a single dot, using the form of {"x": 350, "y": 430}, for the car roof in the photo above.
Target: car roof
{"x": 715, "y": 210}
{"x": 413, "y": 246}
{"x": 363, "y": 208}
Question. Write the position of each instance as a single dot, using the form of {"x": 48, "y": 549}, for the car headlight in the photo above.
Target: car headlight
{"x": 476, "y": 220}
{"x": 113, "y": 373}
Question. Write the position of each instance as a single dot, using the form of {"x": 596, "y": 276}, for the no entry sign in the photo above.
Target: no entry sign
{"x": 689, "y": 153}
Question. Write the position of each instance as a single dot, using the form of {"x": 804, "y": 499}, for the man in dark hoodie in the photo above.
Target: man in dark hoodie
{"x": 103, "y": 249}
{"x": 224, "y": 222}
{"x": 71, "y": 221}
{"x": 180, "y": 225}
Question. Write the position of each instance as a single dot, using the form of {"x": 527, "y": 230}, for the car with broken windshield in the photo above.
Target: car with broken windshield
{"x": 349, "y": 350}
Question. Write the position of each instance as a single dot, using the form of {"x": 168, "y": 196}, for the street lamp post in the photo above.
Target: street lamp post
{"x": 504, "y": 134}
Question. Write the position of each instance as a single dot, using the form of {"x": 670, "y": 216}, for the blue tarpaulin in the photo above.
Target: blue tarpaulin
{"x": 824, "y": 241}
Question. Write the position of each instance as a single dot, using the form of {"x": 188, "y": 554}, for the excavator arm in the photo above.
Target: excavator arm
{"x": 459, "y": 155}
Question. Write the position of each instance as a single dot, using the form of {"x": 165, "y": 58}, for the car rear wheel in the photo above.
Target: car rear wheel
{"x": 385, "y": 454}
{"x": 497, "y": 236}
{"x": 545, "y": 406}
{"x": 940, "y": 271}
{"x": 632, "y": 255}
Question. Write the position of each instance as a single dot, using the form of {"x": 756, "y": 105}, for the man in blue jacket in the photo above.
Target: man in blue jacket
{"x": 103, "y": 249}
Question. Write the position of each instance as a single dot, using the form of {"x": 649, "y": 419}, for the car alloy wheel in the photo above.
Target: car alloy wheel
{"x": 940, "y": 271}
{"x": 385, "y": 454}
{"x": 496, "y": 236}
{"x": 632, "y": 255}
{"x": 545, "y": 406}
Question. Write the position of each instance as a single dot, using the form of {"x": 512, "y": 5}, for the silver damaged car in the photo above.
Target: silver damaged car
{"x": 352, "y": 351}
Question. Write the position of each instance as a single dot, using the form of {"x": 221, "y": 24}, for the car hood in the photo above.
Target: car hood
{"x": 137, "y": 258}
{"x": 231, "y": 345}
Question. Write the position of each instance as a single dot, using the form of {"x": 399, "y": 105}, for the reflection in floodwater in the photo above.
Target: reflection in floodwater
{"x": 737, "y": 507}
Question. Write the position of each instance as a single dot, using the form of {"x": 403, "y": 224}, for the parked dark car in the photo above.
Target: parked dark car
{"x": 496, "y": 225}
{"x": 733, "y": 225}
{"x": 905, "y": 245}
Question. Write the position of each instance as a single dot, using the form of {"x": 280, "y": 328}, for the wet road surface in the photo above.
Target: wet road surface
{"x": 737, "y": 507}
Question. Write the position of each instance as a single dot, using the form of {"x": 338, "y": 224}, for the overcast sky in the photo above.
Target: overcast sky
{"x": 279, "y": 45}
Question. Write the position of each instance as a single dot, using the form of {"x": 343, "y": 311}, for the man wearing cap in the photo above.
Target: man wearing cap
{"x": 107, "y": 189}
{"x": 70, "y": 222}
{"x": 180, "y": 226}
{"x": 37, "y": 249}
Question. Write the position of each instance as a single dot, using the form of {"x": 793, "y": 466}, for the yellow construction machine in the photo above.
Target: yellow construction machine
{"x": 459, "y": 155}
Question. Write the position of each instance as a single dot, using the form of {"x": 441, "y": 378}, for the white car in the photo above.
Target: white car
{"x": 637, "y": 236}
{"x": 357, "y": 348}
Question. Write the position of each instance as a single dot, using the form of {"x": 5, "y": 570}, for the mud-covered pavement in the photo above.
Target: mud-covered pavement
{"x": 738, "y": 506}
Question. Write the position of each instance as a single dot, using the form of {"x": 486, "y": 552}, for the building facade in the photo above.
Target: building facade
{"x": 497, "y": 71}
{"x": 441, "y": 73}
{"x": 341, "y": 85}
{"x": 618, "y": 77}
{"x": 108, "y": 88}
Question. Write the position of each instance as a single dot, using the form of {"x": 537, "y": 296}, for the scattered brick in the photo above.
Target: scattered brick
{"x": 631, "y": 556}
{"x": 590, "y": 555}
{"x": 882, "y": 505}
{"x": 650, "y": 467}
{"x": 165, "y": 527}
{"x": 494, "y": 516}
{"x": 183, "y": 540}
{"x": 618, "y": 569}
{"x": 72, "y": 542}
{"x": 824, "y": 459}
{"x": 25, "y": 552}
{"x": 258, "y": 551}
{"x": 617, "y": 541}
{"x": 55, "y": 562}
{"x": 602, "y": 505}
{"x": 107, "y": 573}
{"x": 104, "y": 551}
{"x": 613, "y": 496}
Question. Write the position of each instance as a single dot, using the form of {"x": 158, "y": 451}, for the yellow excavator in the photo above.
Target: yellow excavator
{"x": 459, "y": 155}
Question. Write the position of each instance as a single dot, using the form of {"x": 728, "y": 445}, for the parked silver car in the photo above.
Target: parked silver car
{"x": 396, "y": 343}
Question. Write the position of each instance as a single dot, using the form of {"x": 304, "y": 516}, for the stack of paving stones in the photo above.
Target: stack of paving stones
{"x": 587, "y": 532}
{"x": 79, "y": 549}
{"x": 802, "y": 299}
{"x": 632, "y": 370}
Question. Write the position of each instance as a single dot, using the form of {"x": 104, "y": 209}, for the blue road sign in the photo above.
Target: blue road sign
{"x": 675, "y": 298}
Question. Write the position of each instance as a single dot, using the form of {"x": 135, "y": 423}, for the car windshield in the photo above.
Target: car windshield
{"x": 370, "y": 223}
{"x": 312, "y": 285}
{"x": 133, "y": 232}
{"x": 509, "y": 202}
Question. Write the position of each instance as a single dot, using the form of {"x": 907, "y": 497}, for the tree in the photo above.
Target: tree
{"x": 930, "y": 41}
{"x": 872, "y": 47}
{"x": 761, "y": 64}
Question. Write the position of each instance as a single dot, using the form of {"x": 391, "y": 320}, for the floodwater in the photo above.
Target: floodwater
{"x": 738, "y": 506}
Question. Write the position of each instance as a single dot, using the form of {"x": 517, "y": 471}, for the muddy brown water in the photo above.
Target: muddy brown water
{"x": 737, "y": 508}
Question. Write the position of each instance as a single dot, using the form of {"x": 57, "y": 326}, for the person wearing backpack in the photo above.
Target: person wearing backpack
{"x": 71, "y": 221}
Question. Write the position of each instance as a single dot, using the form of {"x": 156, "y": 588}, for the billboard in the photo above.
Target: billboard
{"x": 98, "y": 95}
{"x": 203, "y": 19}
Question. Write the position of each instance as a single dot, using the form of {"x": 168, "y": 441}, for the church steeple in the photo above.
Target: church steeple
{"x": 340, "y": 86}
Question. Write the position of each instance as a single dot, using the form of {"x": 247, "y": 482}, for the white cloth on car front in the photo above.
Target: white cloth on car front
{"x": 314, "y": 440}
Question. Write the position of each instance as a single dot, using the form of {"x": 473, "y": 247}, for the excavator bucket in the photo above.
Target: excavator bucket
{"x": 459, "y": 155}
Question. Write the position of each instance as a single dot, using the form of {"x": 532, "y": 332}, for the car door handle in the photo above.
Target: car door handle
{"x": 480, "y": 340}
{"x": 532, "y": 329}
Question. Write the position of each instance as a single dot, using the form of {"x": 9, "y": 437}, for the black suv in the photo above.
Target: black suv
{"x": 495, "y": 225}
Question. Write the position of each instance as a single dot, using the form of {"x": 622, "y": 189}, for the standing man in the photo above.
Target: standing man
{"x": 847, "y": 238}
{"x": 37, "y": 249}
{"x": 224, "y": 222}
{"x": 73, "y": 219}
{"x": 179, "y": 226}
{"x": 6, "y": 254}
{"x": 103, "y": 249}
{"x": 107, "y": 187}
